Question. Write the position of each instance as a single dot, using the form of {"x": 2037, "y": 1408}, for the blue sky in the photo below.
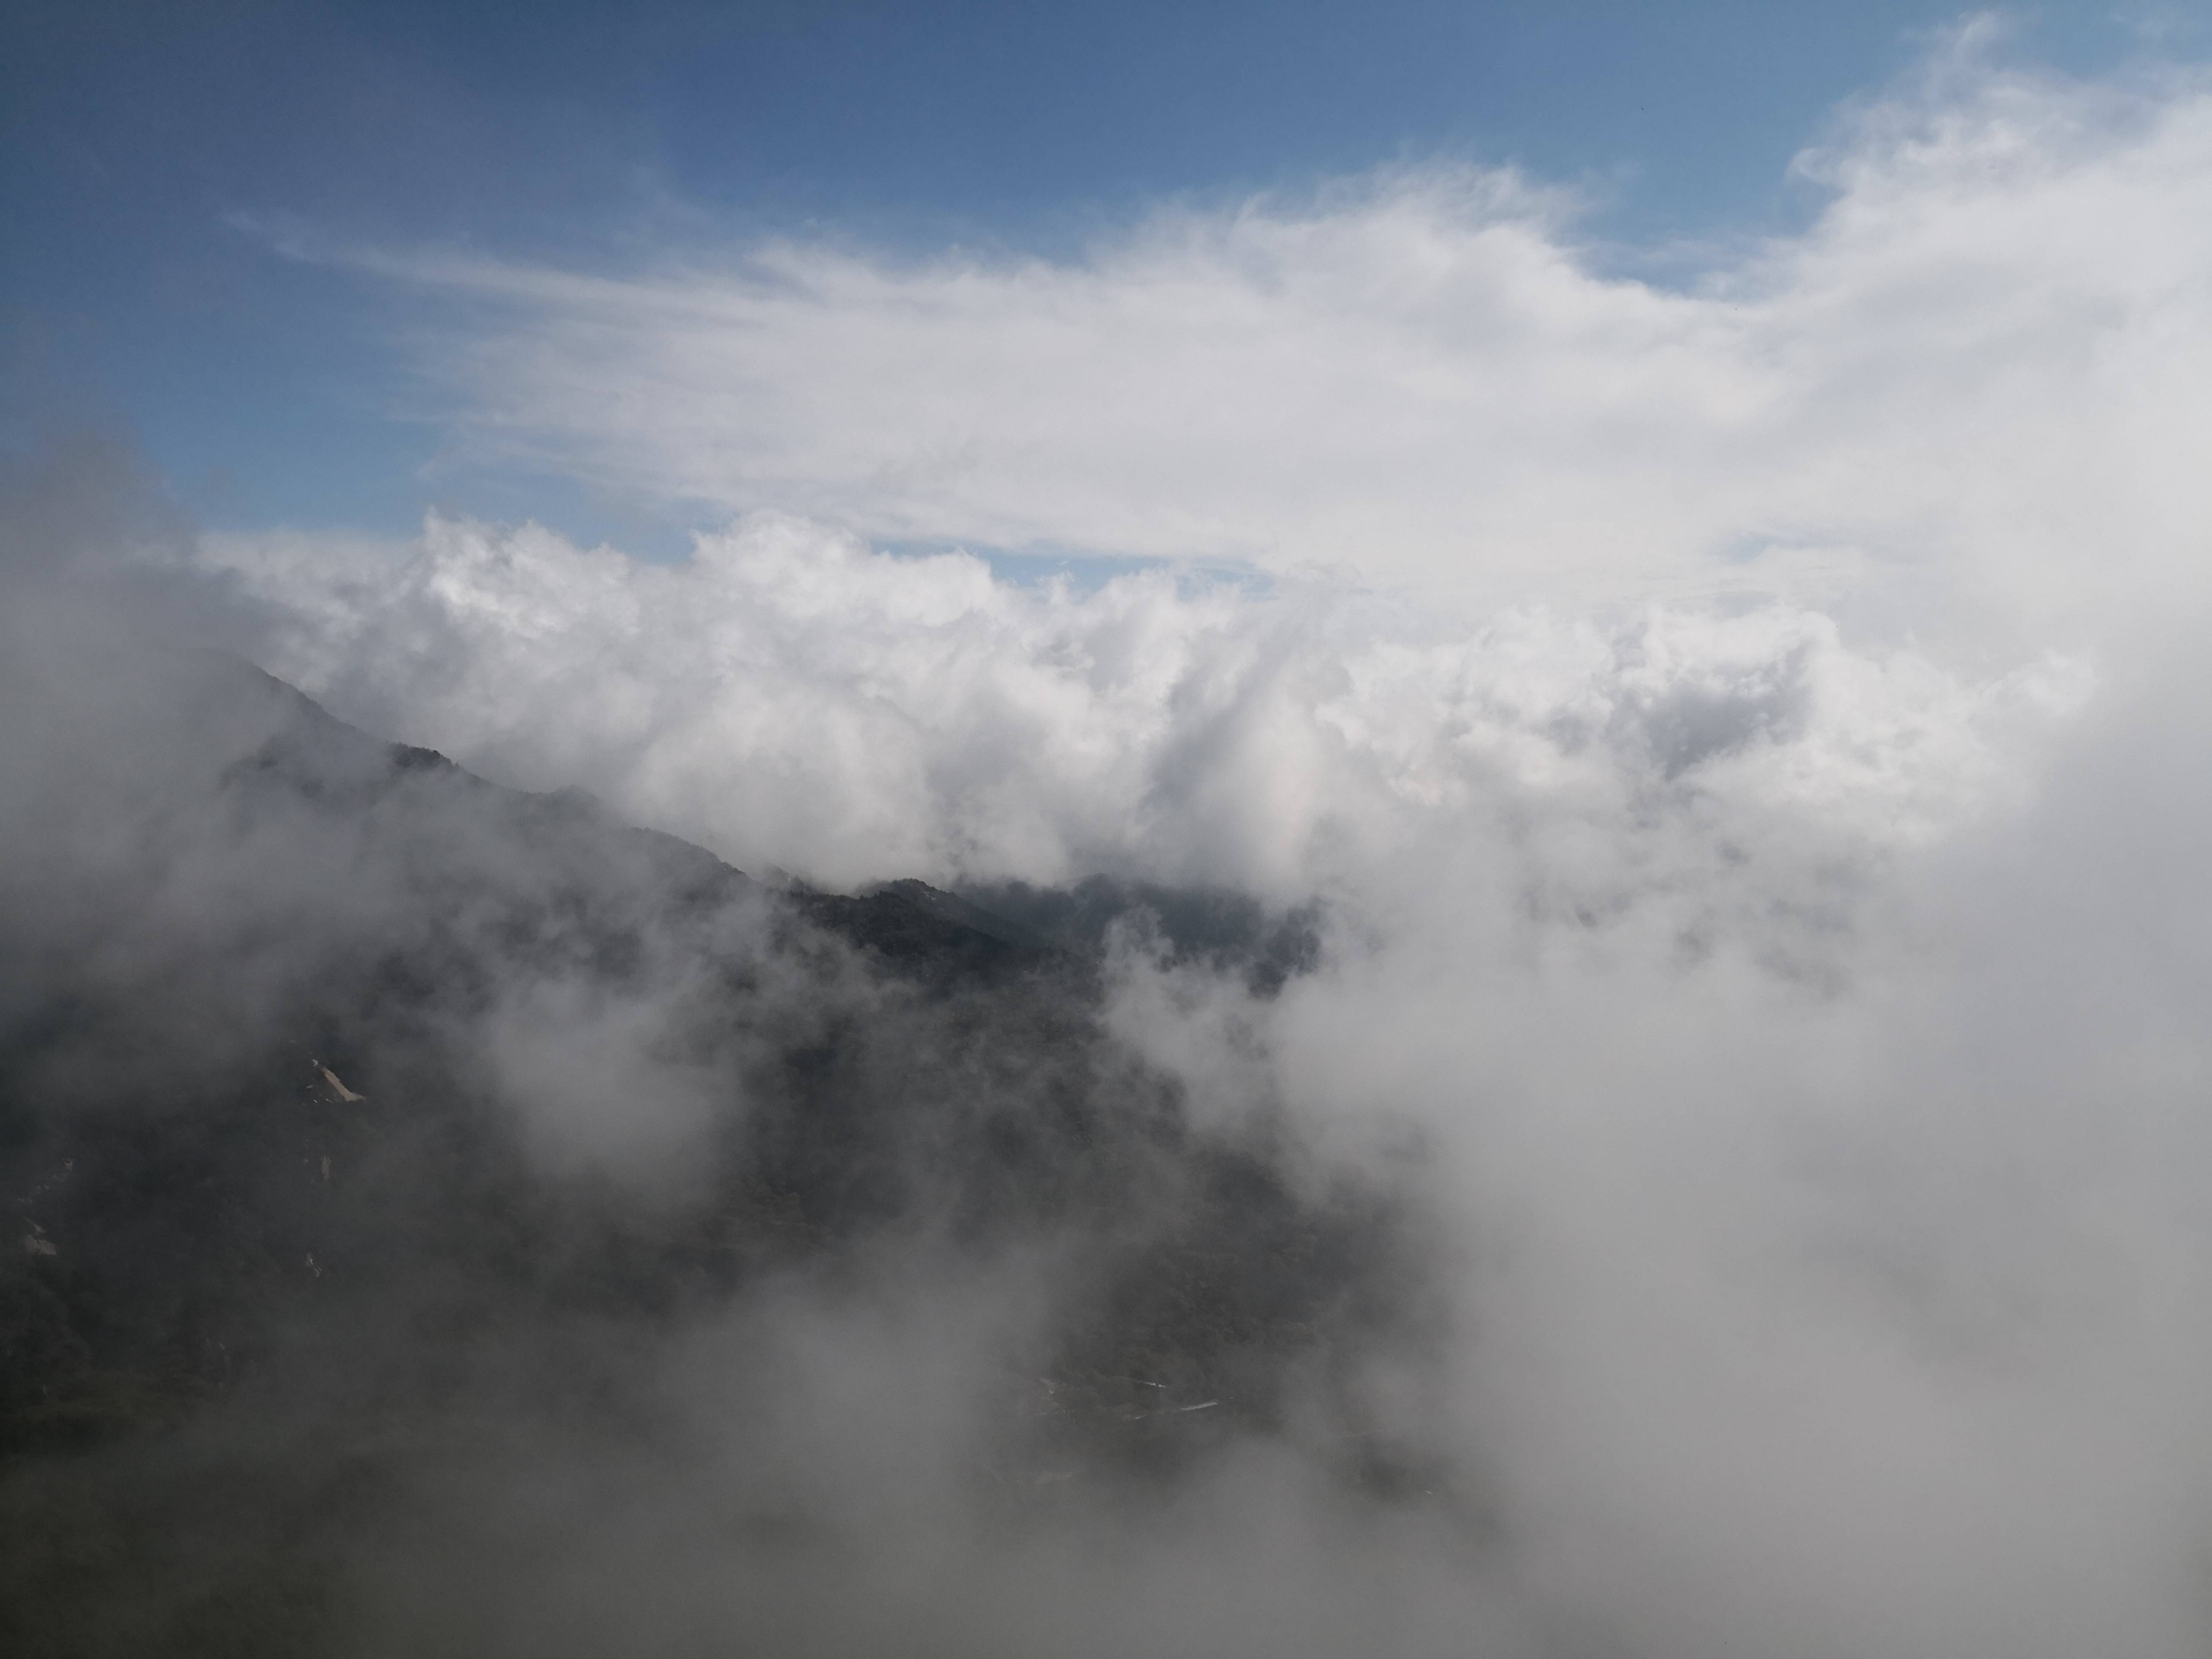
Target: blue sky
{"x": 145, "y": 142}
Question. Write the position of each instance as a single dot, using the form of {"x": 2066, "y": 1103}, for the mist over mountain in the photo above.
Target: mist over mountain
{"x": 1291, "y": 914}
{"x": 1686, "y": 1135}
{"x": 385, "y": 1146}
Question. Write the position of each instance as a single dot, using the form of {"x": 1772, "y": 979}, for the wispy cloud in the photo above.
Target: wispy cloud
{"x": 1972, "y": 377}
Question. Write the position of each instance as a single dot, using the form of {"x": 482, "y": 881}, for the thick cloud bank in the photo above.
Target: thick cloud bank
{"x": 790, "y": 698}
{"x": 1807, "y": 1035}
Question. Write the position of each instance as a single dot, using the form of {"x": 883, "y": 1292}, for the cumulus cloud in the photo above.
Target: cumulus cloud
{"x": 794, "y": 699}
{"x": 1964, "y": 392}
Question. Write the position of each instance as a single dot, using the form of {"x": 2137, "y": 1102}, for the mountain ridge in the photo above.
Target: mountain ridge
{"x": 349, "y": 1096}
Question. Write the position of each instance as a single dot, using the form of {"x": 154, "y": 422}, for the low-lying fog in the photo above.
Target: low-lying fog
{"x": 1737, "y": 1097}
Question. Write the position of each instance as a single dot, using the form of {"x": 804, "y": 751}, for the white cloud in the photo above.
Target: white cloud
{"x": 794, "y": 699}
{"x": 1968, "y": 391}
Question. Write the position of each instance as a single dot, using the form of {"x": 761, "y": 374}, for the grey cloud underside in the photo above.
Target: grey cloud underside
{"x": 428, "y": 1170}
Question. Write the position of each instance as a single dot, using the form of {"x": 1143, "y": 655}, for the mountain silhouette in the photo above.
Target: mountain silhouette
{"x": 358, "y": 1114}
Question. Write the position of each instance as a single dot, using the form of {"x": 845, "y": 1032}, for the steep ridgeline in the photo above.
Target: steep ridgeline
{"x": 361, "y": 1122}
